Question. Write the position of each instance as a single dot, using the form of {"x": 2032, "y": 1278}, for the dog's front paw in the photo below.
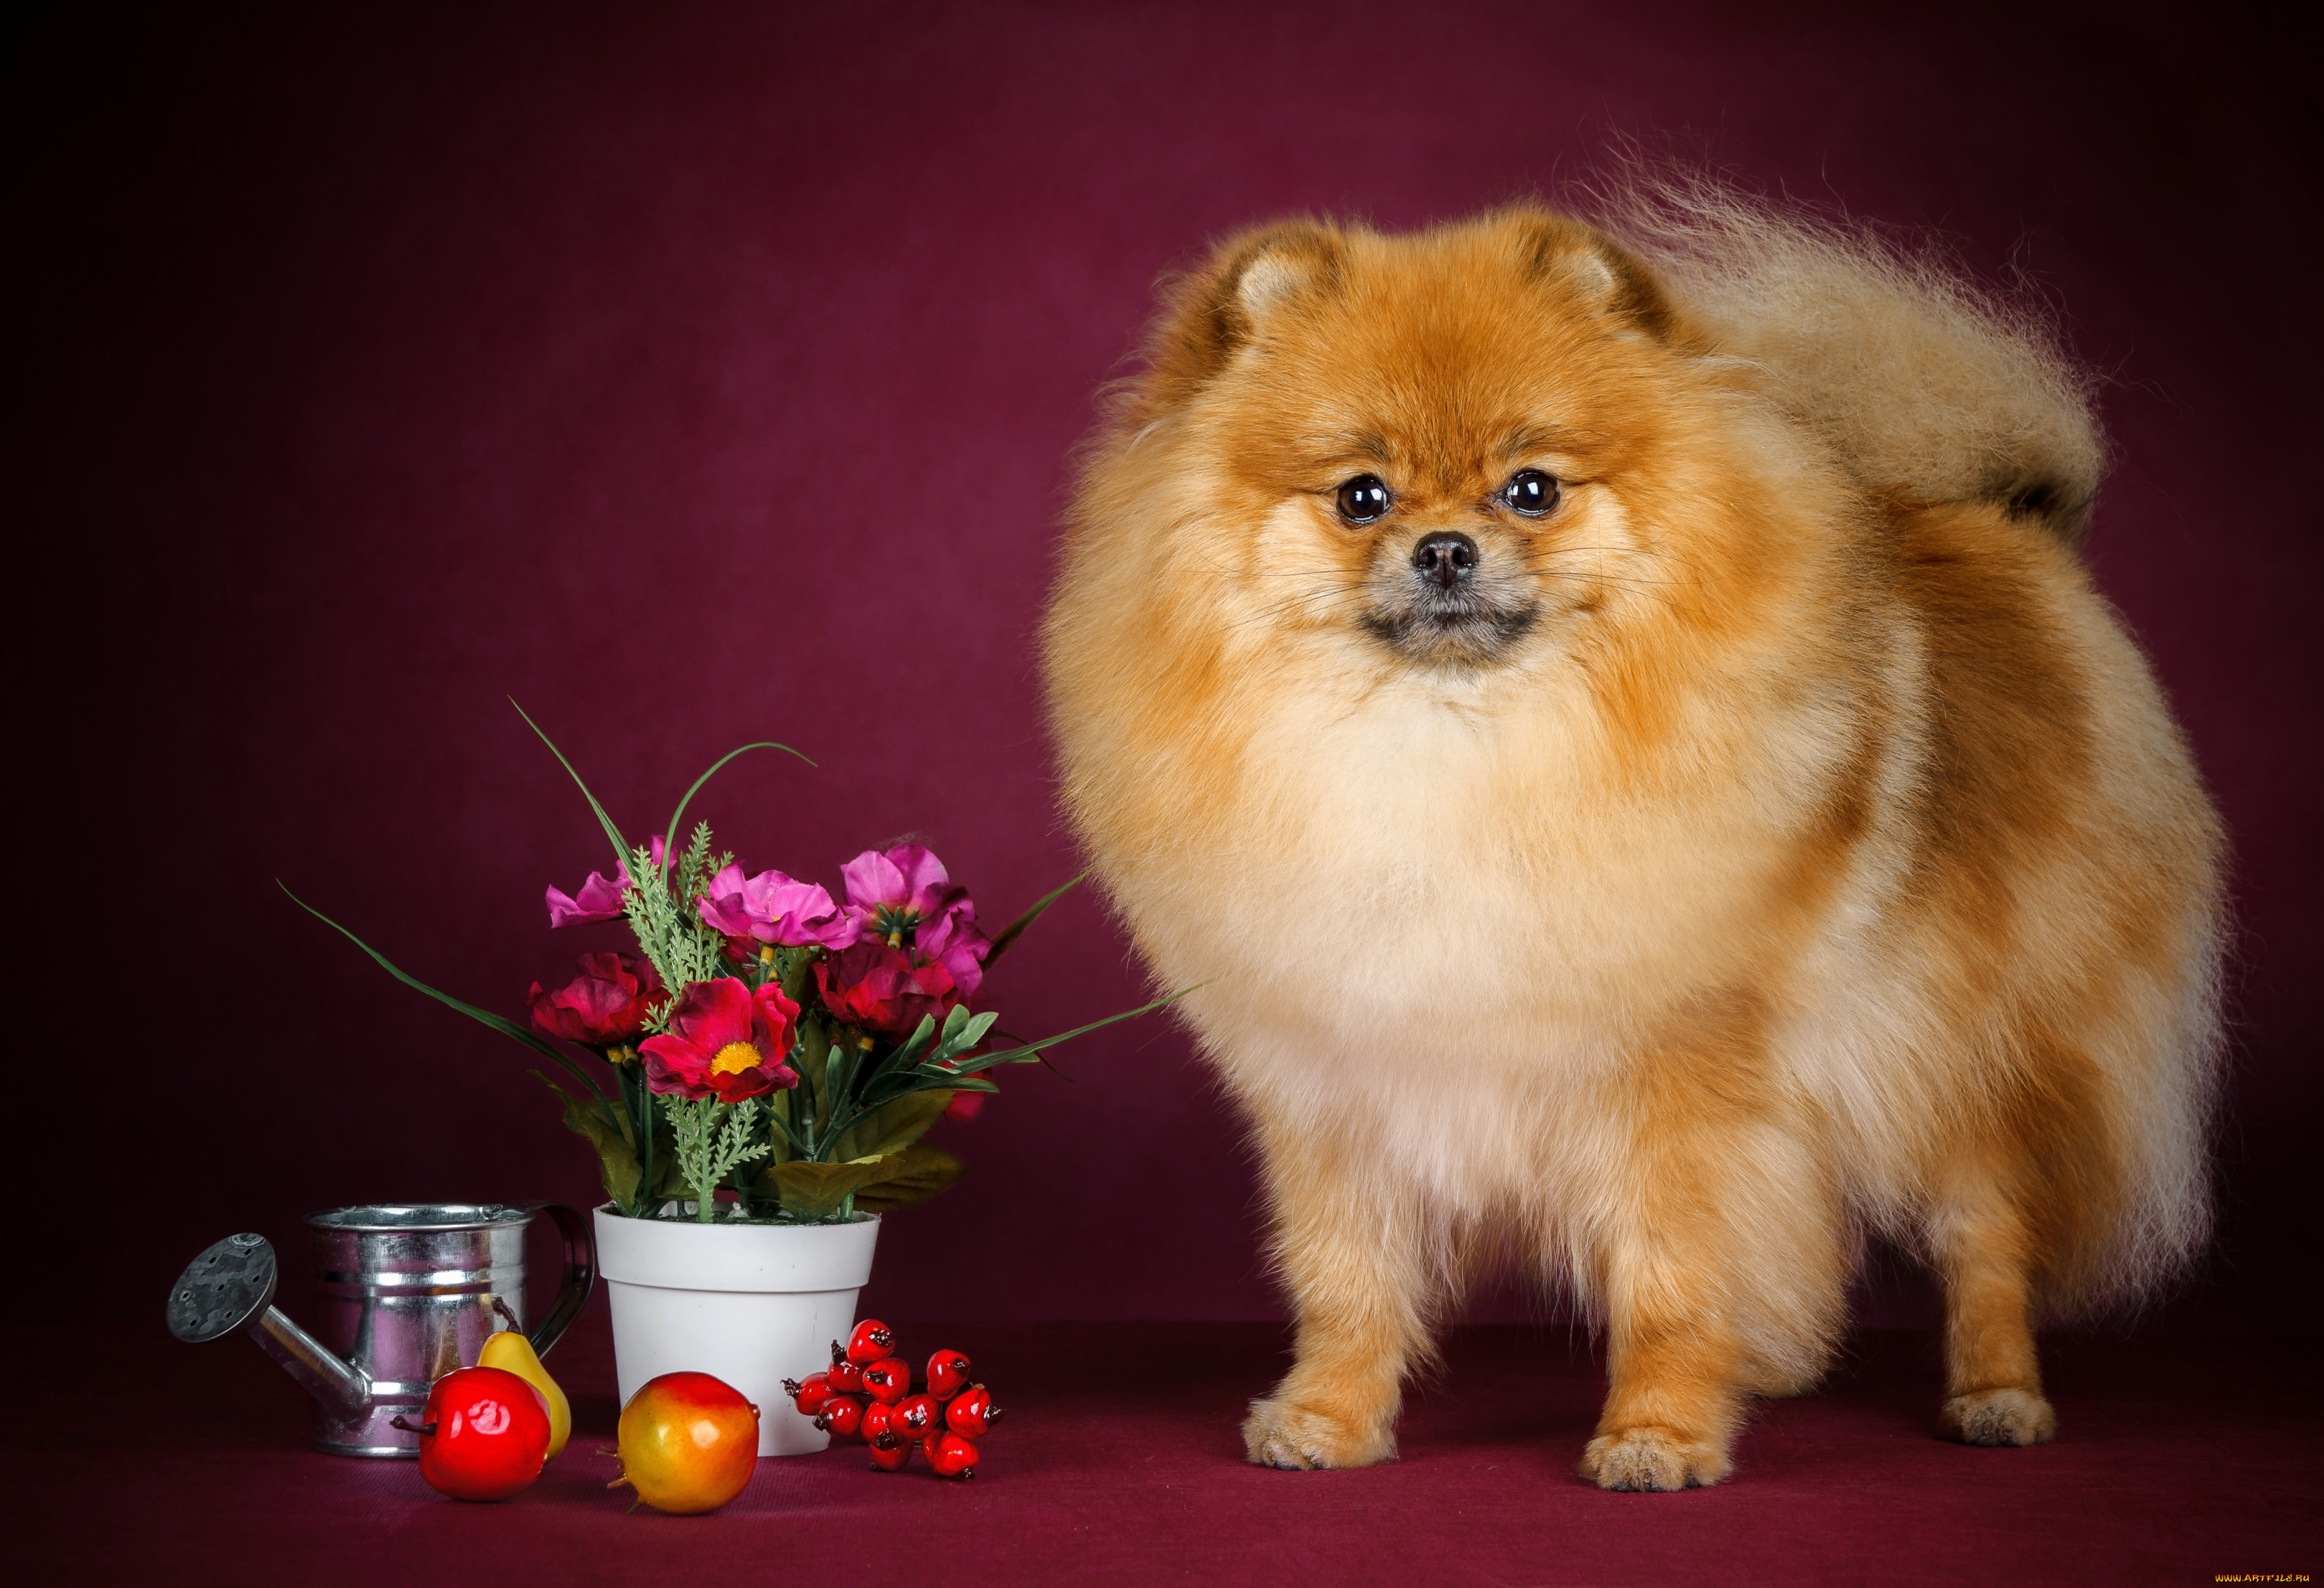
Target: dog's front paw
{"x": 1299, "y": 1438}
{"x": 1652, "y": 1460}
{"x": 1997, "y": 1417}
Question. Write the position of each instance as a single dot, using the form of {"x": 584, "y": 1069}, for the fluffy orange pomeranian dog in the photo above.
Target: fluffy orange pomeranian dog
{"x": 1613, "y": 717}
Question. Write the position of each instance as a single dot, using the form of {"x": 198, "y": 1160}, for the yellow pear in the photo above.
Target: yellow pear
{"x": 511, "y": 1351}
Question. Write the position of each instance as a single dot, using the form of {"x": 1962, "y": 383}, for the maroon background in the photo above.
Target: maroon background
{"x": 712, "y": 375}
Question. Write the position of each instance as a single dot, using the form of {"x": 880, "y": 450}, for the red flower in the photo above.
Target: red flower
{"x": 884, "y": 989}
{"x": 724, "y": 1040}
{"x": 603, "y": 1007}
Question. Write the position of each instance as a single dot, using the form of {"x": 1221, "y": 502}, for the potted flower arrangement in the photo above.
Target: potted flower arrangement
{"x": 765, "y": 1064}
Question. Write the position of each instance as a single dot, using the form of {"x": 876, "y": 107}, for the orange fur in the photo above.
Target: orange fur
{"x": 1782, "y": 850}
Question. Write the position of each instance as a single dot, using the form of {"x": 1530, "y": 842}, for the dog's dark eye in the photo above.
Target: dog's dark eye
{"x": 1530, "y": 493}
{"x": 1364, "y": 500}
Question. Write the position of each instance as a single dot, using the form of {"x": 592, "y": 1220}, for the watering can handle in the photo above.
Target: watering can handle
{"x": 580, "y": 1274}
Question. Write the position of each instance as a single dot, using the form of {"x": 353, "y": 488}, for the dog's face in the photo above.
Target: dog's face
{"x": 1422, "y": 443}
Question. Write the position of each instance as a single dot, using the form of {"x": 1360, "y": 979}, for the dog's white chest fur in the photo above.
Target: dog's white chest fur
{"x": 1417, "y": 935}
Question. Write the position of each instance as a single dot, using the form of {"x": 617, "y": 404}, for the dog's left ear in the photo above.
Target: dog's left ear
{"x": 1601, "y": 274}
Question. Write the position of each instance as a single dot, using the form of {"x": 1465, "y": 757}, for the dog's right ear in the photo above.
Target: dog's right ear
{"x": 1215, "y": 312}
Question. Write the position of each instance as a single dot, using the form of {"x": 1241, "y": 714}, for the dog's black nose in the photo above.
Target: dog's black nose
{"x": 1446, "y": 556}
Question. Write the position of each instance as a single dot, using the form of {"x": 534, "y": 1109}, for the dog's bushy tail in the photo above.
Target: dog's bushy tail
{"x": 1927, "y": 384}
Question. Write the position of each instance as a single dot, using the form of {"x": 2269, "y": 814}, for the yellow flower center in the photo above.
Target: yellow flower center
{"x": 735, "y": 1058}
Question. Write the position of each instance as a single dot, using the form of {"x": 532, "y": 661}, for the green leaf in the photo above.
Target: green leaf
{"x": 1031, "y": 1051}
{"x": 960, "y": 1035}
{"x": 920, "y": 1172}
{"x": 918, "y": 1043}
{"x": 892, "y": 1076}
{"x": 894, "y": 1127}
{"x": 1016, "y": 929}
{"x": 604, "y": 1129}
{"x": 816, "y": 1190}
{"x": 670, "y": 1181}
{"x": 787, "y": 1143}
{"x": 679, "y": 814}
{"x": 887, "y": 1079}
{"x": 507, "y": 1028}
{"x": 795, "y": 970}
{"x": 810, "y": 1055}
{"x": 839, "y": 1108}
{"x": 620, "y": 848}
{"x": 637, "y": 1113}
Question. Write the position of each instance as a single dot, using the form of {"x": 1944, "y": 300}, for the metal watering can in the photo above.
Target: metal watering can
{"x": 409, "y": 1293}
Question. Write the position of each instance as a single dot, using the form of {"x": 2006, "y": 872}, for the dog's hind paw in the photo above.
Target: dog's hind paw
{"x": 1997, "y": 1417}
{"x": 1651, "y": 1460}
{"x": 1297, "y": 1438}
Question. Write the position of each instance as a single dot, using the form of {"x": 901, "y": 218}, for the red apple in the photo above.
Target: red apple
{"x": 484, "y": 1435}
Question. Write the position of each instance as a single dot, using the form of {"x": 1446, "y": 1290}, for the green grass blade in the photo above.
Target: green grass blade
{"x": 506, "y": 1027}
{"x": 679, "y": 814}
{"x": 1016, "y": 929}
{"x": 621, "y": 849}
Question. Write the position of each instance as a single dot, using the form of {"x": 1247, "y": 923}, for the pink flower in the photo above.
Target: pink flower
{"x": 724, "y": 1040}
{"x": 600, "y": 900}
{"x": 903, "y": 894}
{"x": 884, "y": 989}
{"x": 954, "y": 943}
{"x": 894, "y": 889}
{"x": 605, "y": 1007}
{"x": 773, "y": 909}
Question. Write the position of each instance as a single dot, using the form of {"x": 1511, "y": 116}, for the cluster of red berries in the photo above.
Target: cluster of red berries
{"x": 868, "y": 1393}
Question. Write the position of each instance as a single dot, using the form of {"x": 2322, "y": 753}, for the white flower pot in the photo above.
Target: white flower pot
{"x": 753, "y": 1304}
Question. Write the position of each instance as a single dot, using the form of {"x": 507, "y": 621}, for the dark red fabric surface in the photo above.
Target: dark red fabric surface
{"x": 2177, "y": 1458}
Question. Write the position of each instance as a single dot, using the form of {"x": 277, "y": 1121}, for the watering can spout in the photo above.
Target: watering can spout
{"x": 230, "y": 1289}
{"x": 408, "y": 1291}
{"x": 340, "y": 1386}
